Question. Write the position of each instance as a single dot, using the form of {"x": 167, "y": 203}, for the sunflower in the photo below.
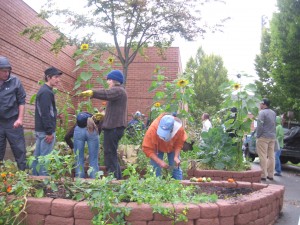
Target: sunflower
{"x": 157, "y": 104}
{"x": 111, "y": 60}
{"x": 182, "y": 83}
{"x": 236, "y": 86}
{"x": 84, "y": 47}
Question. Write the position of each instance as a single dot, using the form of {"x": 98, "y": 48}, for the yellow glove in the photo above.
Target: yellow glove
{"x": 98, "y": 116}
{"x": 88, "y": 93}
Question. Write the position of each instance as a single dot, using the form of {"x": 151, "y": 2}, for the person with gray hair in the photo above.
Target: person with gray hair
{"x": 12, "y": 102}
{"x": 265, "y": 139}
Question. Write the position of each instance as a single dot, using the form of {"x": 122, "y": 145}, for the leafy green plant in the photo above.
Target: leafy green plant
{"x": 13, "y": 182}
{"x": 133, "y": 135}
{"x": 58, "y": 166}
{"x": 172, "y": 96}
{"x": 151, "y": 190}
{"x": 103, "y": 194}
{"x": 219, "y": 149}
{"x": 64, "y": 107}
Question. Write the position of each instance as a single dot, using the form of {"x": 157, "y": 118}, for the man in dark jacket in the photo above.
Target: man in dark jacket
{"x": 12, "y": 108}
{"x": 45, "y": 117}
{"x": 114, "y": 120}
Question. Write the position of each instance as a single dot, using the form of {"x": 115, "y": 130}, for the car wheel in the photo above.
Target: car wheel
{"x": 251, "y": 157}
{"x": 295, "y": 161}
{"x": 283, "y": 160}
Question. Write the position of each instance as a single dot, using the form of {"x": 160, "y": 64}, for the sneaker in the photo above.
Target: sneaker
{"x": 263, "y": 178}
{"x": 270, "y": 178}
{"x": 277, "y": 174}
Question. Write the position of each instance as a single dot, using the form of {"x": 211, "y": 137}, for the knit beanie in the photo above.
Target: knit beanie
{"x": 115, "y": 75}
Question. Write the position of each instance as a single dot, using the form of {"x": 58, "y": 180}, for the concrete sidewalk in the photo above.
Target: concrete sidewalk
{"x": 290, "y": 179}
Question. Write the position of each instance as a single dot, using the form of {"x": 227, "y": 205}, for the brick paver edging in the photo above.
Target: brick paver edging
{"x": 261, "y": 207}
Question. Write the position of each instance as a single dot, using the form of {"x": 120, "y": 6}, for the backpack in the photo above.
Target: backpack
{"x": 82, "y": 118}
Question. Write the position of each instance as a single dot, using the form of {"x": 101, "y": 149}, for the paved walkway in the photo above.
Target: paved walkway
{"x": 291, "y": 180}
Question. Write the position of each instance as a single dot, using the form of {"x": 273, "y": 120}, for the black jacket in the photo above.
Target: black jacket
{"x": 12, "y": 94}
{"x": 45, "y": 110}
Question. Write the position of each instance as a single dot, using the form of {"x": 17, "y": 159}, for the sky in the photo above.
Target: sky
{"x": 239, "y": 42}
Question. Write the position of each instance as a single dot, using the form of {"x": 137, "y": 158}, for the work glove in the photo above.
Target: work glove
{"x": 98, "y": 116}
{"x": 88, "y": 93}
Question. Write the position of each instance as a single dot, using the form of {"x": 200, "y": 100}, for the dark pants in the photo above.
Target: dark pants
{"x": 15, "y": 137}
{"x": 110, "y": 144}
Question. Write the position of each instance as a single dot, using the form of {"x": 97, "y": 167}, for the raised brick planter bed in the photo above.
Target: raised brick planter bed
{"x": 261, "y": 207}
{"x": 252, "y": 176}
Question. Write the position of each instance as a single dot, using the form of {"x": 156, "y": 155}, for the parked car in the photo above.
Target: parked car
{"x": 290, "y": 151}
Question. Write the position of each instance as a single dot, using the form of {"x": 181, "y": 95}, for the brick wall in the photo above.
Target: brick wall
{"x": 29, "y": 59}
{"x": 141, "y": 73}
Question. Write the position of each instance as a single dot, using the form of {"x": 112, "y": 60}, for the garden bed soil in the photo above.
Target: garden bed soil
{"x": 221, "y": 192}
{"x": 224, "y": 192}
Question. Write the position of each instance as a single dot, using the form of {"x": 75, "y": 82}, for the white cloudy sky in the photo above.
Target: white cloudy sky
{"x": 237, "y": 44}
{"x": 240, "y": 41}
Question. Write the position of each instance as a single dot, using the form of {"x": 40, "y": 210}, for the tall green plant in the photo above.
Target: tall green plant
{"x": 217, "y": 150}
{"x": 171, "y": 96}
{"x": 220, "y": 150}
{"x": 92, "y": 65}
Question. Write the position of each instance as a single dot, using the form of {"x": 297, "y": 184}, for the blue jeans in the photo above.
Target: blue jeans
{"x": 277, "y": 161}
{"x": 176, "y": 173}
{"x": 42, "y": 148}
{"x": 81, "y": 135}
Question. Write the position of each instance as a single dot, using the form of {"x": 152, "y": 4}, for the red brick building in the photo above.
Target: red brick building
{"x": 29, "y": 59}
